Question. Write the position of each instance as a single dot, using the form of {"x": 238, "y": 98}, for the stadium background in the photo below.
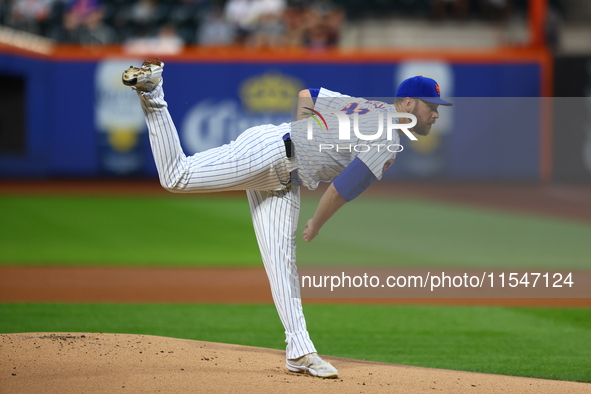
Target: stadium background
{"x": 79, "y": 190}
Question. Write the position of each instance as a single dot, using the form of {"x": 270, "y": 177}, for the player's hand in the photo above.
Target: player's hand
{"x": 310, "y": 232}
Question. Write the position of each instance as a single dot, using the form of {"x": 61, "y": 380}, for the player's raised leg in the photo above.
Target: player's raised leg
{"x": 255, "y": 160}
{"x": 275, "y": 219}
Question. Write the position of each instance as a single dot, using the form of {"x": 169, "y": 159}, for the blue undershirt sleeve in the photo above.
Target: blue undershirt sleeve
{"x": 314, "y": 93}
{"x": 353, "y": 180}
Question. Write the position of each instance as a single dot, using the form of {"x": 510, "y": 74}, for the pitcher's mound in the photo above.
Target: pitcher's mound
{"x": 108, "y": 363}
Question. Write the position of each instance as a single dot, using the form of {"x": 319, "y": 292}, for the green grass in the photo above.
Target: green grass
{"x": 541, "y": 343}
{"x": 126, "y": 231}
{"x": 419, "y": 233}
{"x": 182, "y": 231}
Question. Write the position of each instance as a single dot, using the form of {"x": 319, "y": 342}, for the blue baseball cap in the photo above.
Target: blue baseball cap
{"x": 422, "y": 88}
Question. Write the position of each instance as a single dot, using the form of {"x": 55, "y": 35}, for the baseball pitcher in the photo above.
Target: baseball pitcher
{"x": 271, "y": 162}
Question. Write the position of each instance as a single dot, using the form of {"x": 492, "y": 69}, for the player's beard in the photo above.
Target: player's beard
{"x": 422, "y": 127}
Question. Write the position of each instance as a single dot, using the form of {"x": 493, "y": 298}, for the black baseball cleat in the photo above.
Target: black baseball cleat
{"x": 146, "y": 77}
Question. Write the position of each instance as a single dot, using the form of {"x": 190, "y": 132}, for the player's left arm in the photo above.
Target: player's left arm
{"x": 346, "y": 186}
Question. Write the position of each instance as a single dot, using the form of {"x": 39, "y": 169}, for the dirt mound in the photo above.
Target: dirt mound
{"x": 109, "y": 363}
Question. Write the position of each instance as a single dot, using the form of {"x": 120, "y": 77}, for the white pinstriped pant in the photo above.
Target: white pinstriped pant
{"x": 254, "y": 162}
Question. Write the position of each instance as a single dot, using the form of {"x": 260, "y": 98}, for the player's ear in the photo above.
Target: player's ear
{"x": 409, "y": 103}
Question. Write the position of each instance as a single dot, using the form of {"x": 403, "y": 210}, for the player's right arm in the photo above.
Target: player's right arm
{"x": 305, "y": 102}
{"x": 330, "y": 202}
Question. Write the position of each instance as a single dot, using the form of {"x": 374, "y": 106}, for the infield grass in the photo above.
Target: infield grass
{"x": 540, "y": 343}
{"x": 184, "y": 231}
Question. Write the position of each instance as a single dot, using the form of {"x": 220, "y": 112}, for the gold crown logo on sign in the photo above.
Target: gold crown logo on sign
{"x": 271, "y": 92}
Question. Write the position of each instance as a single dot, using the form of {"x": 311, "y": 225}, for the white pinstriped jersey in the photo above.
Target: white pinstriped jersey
{"x": 324, "y": 156}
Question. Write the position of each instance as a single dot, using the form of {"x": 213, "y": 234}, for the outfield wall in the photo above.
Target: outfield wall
{"x": 80, "y": 121}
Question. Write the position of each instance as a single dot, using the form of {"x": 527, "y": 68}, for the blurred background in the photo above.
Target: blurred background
{"x": 301, "y": 23}
{"x": 238, "y": 63}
